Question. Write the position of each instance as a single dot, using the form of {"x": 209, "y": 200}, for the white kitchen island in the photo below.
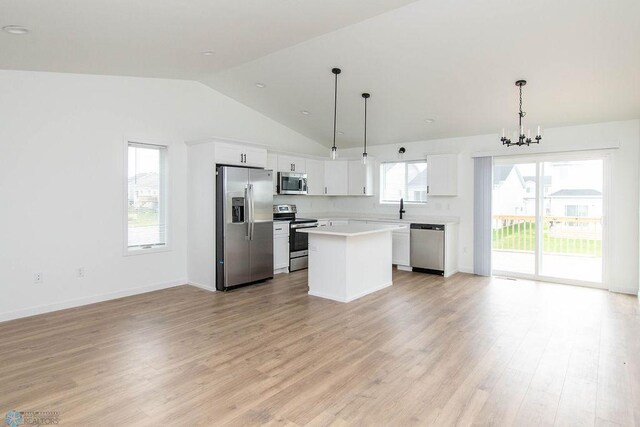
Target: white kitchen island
{"x": 347, "y": 262}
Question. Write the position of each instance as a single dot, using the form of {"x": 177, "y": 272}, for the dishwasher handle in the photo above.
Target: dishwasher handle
{"x": 434, "y": 227}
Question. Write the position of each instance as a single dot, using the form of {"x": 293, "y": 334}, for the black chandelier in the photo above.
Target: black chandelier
{"x": 522, "y": 138}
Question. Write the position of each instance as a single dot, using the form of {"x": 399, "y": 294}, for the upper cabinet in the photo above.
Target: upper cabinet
{"x": 315, "y": 177}
{"x": 336, "y": 178}
{"x": 272, "y": 163}
{"x": 240, "y": 155}
{"x": 442, "y": 175}
{"x": 361, "y": 178}
{"x": 291, "y": 164}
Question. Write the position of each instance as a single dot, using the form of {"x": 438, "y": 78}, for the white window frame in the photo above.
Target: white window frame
{"x": 382, "y": 178}
{"x": 164, "y": 183}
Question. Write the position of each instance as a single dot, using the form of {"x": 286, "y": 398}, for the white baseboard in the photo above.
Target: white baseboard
{"x": 41, "y": 309}
{"x": 351, "y": 298}
{"x": 404, "y": 268}
{"x": 627, "y": 291}
{"x": 201, "y": 286}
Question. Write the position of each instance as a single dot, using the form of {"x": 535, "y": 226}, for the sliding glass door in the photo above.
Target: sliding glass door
{"x": 514, "y": 217}
{"x": 548, "y": 219}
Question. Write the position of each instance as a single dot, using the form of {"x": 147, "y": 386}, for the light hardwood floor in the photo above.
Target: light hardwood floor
{"x": 427, "y": 351}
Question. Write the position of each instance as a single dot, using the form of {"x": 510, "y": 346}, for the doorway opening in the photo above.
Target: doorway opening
{"x": 547, "y": 219}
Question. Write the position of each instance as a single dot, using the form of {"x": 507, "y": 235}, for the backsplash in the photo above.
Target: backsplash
{"x": 436, "y": 206}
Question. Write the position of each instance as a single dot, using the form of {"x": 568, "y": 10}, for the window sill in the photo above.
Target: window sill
{"x": 140, "y": 251}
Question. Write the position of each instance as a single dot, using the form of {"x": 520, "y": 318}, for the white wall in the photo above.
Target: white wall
{"x": 62, "y": 171}
{"x": 624, "y": 192}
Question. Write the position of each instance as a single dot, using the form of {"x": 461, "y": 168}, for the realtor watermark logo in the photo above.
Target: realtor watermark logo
{"x": 42, "y": 418}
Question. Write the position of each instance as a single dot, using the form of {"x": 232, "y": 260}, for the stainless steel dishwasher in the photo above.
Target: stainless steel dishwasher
{"x": 427, "y": 248}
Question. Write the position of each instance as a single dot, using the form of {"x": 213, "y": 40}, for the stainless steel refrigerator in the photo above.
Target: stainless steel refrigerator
{"x": 244, "y": 226}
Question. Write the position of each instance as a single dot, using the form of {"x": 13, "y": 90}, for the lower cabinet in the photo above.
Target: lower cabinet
{"x": 280, "y": 247}
{"x": 401, "y": 248}
{"x": 400, "y": 242}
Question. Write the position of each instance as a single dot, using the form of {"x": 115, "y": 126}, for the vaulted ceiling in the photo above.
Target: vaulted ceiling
{"x": 452, "y": 61}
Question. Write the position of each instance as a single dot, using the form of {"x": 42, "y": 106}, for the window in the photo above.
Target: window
{"x": 407, "y": 180}
{"x": 146, "y": 196}
{"x": 576, "y": 210}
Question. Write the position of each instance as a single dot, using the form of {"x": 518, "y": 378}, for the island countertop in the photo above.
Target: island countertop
{"x": 350, "y": 230}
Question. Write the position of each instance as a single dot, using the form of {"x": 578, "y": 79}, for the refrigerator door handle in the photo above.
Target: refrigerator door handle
{"x": 251, "y": 217}
{"x": 247, "y": 207}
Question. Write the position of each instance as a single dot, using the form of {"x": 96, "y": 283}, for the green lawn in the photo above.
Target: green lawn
{"x": 143, "y": 218}
{"x": 522, "y": 238}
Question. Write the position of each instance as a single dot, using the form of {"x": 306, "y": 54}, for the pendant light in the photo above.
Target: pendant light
{"x": 364, "y": 153}
{"x": 334, "y": 149}
{"x": 521, "y": 139}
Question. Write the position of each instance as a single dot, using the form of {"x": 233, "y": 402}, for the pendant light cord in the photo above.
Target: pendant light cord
{"x": 365, "y": 125}
{"x": 335, "y": 109}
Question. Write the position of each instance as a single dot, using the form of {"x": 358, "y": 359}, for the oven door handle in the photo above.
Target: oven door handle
{"x": 313, "y": 225}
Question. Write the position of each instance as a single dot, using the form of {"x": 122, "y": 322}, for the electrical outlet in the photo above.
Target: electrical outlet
{"x": 37, "y": 277}
{"x": 80, "y": 272}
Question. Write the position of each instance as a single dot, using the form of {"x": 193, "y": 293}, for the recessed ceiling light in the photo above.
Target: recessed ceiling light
{"x": 305, "y": 112}
{"x": 15, "y": 29}
{"x": 429, "y": 120}
{"x": 261, "y": 85}
{"x": 340, "y": 132}
{"x": 208, "y": 52}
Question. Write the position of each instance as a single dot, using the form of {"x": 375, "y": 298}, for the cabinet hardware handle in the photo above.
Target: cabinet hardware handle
{"x": 427, "y": 189}
{"x": 364, "y": 190}
{"x": 245, "y": 158}
{"x": 241, "y": 161}
{"x": 325, "y": 190}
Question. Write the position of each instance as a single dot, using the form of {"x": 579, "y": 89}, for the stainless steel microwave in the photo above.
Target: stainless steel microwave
{"x": 292, "y": 183}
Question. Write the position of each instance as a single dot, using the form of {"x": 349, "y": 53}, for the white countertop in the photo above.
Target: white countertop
{"x": 350, "y": 230}
{"x": 440, "y": 220}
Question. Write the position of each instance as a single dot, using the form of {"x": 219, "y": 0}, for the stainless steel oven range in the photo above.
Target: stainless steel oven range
{"x": 298, "y": 242}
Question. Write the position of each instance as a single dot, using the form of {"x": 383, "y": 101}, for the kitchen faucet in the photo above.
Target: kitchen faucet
{"x": 401, "y": 207}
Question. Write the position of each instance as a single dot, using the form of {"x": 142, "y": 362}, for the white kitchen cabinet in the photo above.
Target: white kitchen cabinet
{"x": 240, "y": 155}
{"x": 401, "y": 244}
{"x": 291, "y": 164}
{"x": 336, "y": 177}
{"x": 280, "y": 247}
{"x": 360, "y": 178}
{"x": 315, "y": 177}
{"x": 401, "y": 252}
{"x": 272, "y": 163}
{"x": 442, "y": 175}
